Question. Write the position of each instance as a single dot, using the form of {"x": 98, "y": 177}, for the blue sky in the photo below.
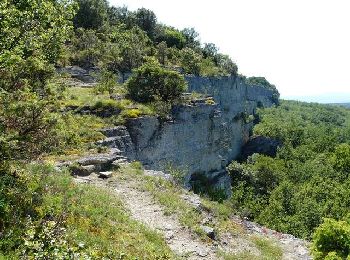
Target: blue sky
{"x": 301, "y": 46}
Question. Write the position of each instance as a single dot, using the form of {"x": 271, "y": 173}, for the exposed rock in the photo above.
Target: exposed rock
{"x": 209, "y": 231}
{"x": 159, "y": 174}
{"x": 78, "y": 73}
{"x": 100, "y": 159}
{"x": 117, "y": 163}
{"x": 260, "y": 144}
{"x": 115, "y": 131}
{"x": 192, "y": 199}
{"x": 105, "y": 175}
{"x": 201, "y": 137}
{"x": 85, "y": 170}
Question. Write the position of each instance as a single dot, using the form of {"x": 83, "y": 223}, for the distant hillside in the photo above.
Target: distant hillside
{"x": 347, "y": 105}
{"x": 325, "y": 98}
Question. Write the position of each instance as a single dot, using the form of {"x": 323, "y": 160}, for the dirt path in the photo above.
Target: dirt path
{"x": 144, "y": 209}
{"x": 181, "y": 240}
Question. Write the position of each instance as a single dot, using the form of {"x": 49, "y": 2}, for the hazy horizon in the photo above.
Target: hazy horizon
{"x": 300, "y": 46}
{"x": 325, "y": 98}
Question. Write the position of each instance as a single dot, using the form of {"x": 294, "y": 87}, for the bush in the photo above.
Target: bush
{"x": 107, "y": 82}
{"x": 191, "y": 61}
{"x": 331, "y": 240}
{"x": 151, "y": 82}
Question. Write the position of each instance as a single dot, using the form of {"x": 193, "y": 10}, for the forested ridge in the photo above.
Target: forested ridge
{"x": 45, "y": 215}
{"x": 307, "y": 181}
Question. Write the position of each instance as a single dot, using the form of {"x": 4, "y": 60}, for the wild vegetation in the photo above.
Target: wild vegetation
{"x": 306, "y": 182}
{"x": 117, "y": 39}
{"x": 43, "y": 214}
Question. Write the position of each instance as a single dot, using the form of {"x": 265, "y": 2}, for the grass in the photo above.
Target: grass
{"x": 78, "y": 96}
{"x": 77, "y": 133}
{"x": 67, "y": 217}
{"x": 268, "y": 251}
{"x": 97, "y": 219}
{"x": 168, "y": 194}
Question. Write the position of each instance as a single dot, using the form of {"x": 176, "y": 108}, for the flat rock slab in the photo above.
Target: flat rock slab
{"x": 105, "y": 175}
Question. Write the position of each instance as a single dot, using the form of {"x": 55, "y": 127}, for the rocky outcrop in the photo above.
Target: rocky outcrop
{"x": 260, "y": 144}
{"x": 202, "y": 137}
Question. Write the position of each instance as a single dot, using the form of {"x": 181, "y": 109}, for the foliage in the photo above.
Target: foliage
{"x": 49, "y": 240}
{"x": 119, "y": 40}
{"x": 226, "y": 65}
{"x": 86, "y": 48}
{"x": 261, "y": 81}
{"x": 171, "y": 36}
{"x": 151, "y": 82}
{"x": 107, "y": 82}
{"x": 146, "y": 20}
{"x": 210, "y": 50}
{"x": 126, "y": 49}
{"x": 191, "y": 36}
{"x": 201, "y": 184}
{"x": 308, "y": 179}
{"x": 72, "y": 221}
{"x": 190, "y": 61}
{"x": 331, "y": 240}
{"x": 31, "y": 39}
{"x": 92, "y": 14}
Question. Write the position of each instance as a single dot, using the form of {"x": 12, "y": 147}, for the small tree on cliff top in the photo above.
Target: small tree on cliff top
{"x": 151, "y": 82}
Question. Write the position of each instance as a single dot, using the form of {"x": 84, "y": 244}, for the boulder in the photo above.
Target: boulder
{"x": 209, "y": 231}
{"x": 85, "y": 170}
{"x": 105, "y": 175}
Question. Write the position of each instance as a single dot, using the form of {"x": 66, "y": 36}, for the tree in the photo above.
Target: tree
{"x": 162, "y": 52}
{"x": 341, "y": 158}
{"x": 121, "y": 15}
{"x": 190, "y": 61}
{"x": 126, "y": 49}
{"x": 172, "y": 37}
{"x": 191, "y": 36}
{"x": 31, "y": 39}
{"x": 151, "y": 82}
{"x": 92, "y": 14}
{"x": 106, "y": 82}
{"x": 210, "y": 50}
{"x": 226, "y": 65}
{"x": 332, "y": 239}
{"x": 146, "y": 20}
{"x": 87, "y": 48}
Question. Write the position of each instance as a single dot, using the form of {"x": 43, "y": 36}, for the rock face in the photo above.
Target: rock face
{"x": 260, "y": 144}
{"x": 202, "y": 137}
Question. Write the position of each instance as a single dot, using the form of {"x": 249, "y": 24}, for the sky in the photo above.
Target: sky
{"x": 301, "y": 46}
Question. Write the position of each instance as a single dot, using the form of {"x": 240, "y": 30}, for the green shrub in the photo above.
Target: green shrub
{"x": 108, "y": 104}
{"x": 151, "y": 82}
{"x": 191, "y": 61}
{"x": 107, "y": 82}
{"x": 331, "y": 240}
{"x": 48, "y": 239}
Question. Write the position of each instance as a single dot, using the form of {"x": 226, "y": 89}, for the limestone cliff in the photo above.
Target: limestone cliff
{"x": 202, "y": 138}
